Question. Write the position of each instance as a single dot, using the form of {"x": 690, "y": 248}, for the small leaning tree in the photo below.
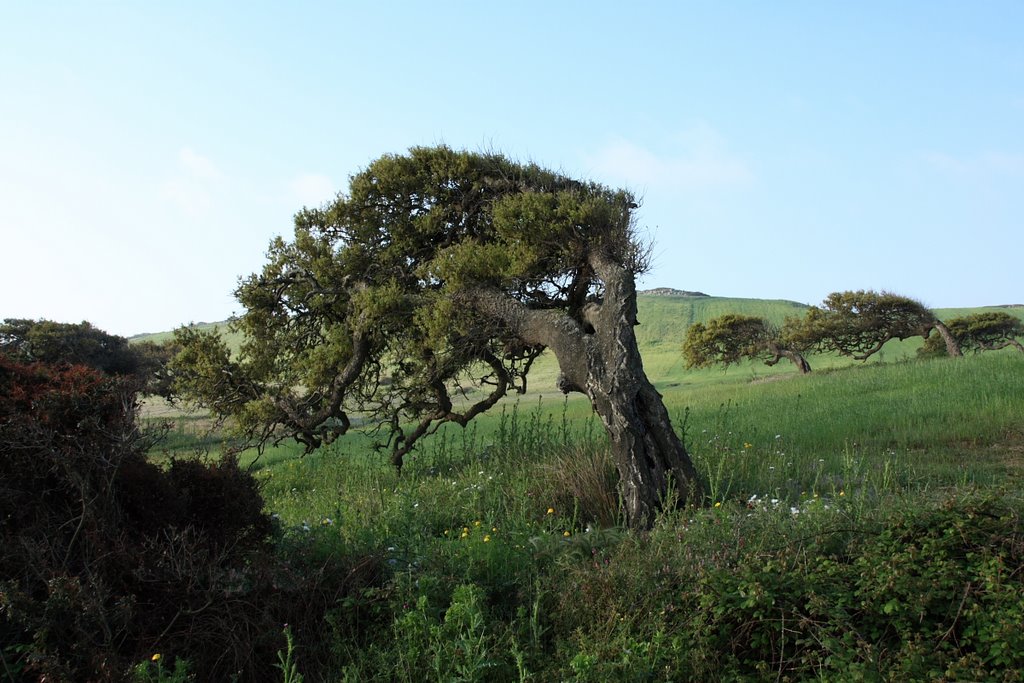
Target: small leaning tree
{"x": 423, "y": 295}
{"x": 858, "y": 324}
{"x": 730, "y": 338}
{"x": 988, "y": 331}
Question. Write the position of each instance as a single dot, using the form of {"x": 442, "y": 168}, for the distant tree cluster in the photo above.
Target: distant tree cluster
{"x": 856, "y": 324}
{"x": 46, "y": 341}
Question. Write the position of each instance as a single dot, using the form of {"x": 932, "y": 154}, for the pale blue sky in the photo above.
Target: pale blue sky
{"x": 149, "y": 151}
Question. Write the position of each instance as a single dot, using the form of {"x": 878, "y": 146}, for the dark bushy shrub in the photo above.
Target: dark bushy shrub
{"x": 106, "y": 559}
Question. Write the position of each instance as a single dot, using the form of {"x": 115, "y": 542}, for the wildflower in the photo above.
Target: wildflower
{"x": 494, "y": 529}
{"x": 718, "y": 503}
{"x": 747, "y": 445}
{"x": 465, "y": 533}
{"x": 446, "y": 532}
{"x": 487, "y": 538}
{"x": 566, "y": 534}
{"x": 476, "y": 523}
{"x": 156, "y": 657}
{"x": 842, "y": 493}
{"x": 551, "y": 511}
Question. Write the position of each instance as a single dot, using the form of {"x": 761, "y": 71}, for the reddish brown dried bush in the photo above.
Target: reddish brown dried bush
{"x": 106, "y": 558}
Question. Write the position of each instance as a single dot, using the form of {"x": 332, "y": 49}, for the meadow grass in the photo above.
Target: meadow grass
{"x": 506, "y": 559}
{"x": 857, "y": 517}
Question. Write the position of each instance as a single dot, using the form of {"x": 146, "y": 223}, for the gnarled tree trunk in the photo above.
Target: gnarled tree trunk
{"x": 598, "y": 355}
{"x": 795, "y": 358}
{"x": 952, "y": 347}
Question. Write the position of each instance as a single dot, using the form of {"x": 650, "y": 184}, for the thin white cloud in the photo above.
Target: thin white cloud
{"x": 198, "y": 166}
{"x": 194, "y": 184}
{"x": 312, "y": 189}
{"x": 978, "y": 166}
{"x": 695, "y": 159}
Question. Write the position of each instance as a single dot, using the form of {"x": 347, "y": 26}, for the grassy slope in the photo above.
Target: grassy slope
{"x": 664, "y": 321}
{"x": 497, "y": 507}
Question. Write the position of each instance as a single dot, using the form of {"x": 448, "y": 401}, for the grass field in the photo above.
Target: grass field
{"x": 864, "y": 523}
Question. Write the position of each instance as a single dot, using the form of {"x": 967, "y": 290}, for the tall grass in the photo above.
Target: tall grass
{"x": 505, "y": 560}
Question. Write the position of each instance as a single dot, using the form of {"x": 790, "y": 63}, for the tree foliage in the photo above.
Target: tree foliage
{"x": 729, "y": 339}
{"x": 423, "y": 295}
{"x": 986, "y": 331}
{"x": 859, "y": 323}
{"x": 46, "y": 341}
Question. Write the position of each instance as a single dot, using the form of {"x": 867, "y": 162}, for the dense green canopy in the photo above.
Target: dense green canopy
{"x": 859, "y": 323}
{"x": 423, "y": 295}
{"x": 730, "y": 338}
{"x": 986, "y": 331}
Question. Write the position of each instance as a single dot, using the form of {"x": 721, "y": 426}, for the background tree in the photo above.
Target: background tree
{"x": 987, "y": 331}
{"x": 730, "y": 338}
{"x": 423, "y": 296}
{"x": 46, "y": 341}
{"x": 858, "y": 324}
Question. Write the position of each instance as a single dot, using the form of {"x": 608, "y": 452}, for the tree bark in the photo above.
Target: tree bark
{"x": 603, "y": 361}
{"x": 1002, "y": 345}
{"x": 796, "y": 358}
{"x": 655, "y": 471}
{"x": 952, "y": 347}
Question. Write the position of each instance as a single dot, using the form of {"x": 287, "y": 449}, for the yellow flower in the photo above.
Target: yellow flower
{"x": 718, "y": 503}
{"x": 465, "y": 533}
{"x": 842, "y": 493}
{"x": 565, "y": 533}
{"x": 487, "y": 538}
{"x": 494, "y": 529}
{"x": 156, "y": 657}
{"x": 445, "y": 532}
{"x": 747, "y": 445}
{"x": 476, "y": 523}
{"x": 551, "y": 511}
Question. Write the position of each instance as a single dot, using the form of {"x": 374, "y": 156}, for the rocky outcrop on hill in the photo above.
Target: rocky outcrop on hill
{"x": 669, "y": 291}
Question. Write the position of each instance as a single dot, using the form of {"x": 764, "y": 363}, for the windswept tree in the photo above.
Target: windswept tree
{"x": 731, "y": 338}
{"x": 988, "y": 331}
{"x": 423, "y": 295}
{"x": 858, "y": 324}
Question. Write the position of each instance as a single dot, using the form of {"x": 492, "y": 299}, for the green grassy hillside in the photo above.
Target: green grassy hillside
{"x": 664, "y": 321}
{"x": 856, "y": 517}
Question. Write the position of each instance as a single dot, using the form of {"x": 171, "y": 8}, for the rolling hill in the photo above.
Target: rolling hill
{"x": 665, "y": 315}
